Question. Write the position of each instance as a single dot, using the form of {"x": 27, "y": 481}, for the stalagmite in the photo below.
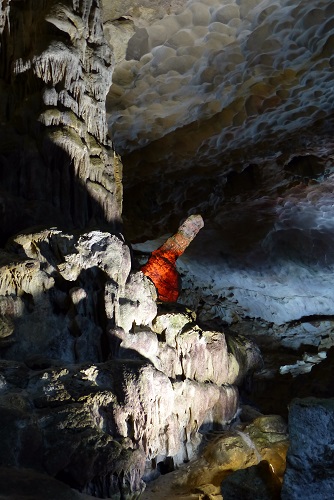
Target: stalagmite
{"x": 161, "y": 269}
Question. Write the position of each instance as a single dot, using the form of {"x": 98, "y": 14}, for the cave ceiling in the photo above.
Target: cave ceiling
{"x": 225, "y": 108}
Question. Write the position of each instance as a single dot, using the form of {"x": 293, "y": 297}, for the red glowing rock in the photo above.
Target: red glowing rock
{"x": 160, "y": 267}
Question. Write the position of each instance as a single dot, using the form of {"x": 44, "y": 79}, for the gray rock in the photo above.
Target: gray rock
{"x": 177, "y": 346}
{"x": 57, "y": 164}
{"x": 89, "y": 424}
{"x": 52, "y": 293}
{"x": 96, "y": 384}
{"x": 310, "y": 460}
{"x": 131, "y": 303}
{"x": 253, "y": 483}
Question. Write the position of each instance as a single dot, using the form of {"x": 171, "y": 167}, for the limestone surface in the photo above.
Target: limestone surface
{"x": 246, "y": 446}
{"x": 53, "y": 125}
{"x": 98, "y": 382}
{"x": 230, "y": 66}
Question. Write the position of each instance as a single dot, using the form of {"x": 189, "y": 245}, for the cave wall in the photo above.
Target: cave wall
{"x": 57, "y": 164}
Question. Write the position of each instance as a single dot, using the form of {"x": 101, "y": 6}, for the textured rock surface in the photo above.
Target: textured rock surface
{"x": 238, "y": 67}
{"x": 227, "y": 110}
{"x": 178, "y": 347}
{"x": 98, "y": 385}
{"x": 212, "y": 94}
{"x": 57, "y": 165}
{"x": 94, "y": 426}
{"x": 310, "y": 456}
{"x": 263, "y": 439}
{"x": 25, "y": 484}
{"x": 55, "y": 282}
{"x": 317, "y": 382}
{"x": 220, "y": 109}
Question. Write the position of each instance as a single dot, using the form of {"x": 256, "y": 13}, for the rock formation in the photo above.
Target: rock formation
{"x": 242, "y": 135}
{"x": 57, "y": 165}
{"x": 98, "y": 383}
{"x": 223, "y": 109}
{"x": 249, "y": 447}
{"x": 160, "y": 267}
{"x": 310, "y": 458}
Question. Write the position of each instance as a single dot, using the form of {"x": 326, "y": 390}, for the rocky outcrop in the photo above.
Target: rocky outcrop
{"x": 99, "y": 382}
{"x": 309, "y": 470}
{"x": 232, "y": 456}
{"x": 257, "y": 481}
{"x": 95, "y": 426}
{"x": 57, "y": 164}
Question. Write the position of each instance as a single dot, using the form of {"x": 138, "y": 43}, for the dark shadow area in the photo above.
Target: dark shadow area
{"x": 274, "y": 396}
{"x": 41, "y": 183}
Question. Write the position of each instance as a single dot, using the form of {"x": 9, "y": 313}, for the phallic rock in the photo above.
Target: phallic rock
{"x": 160, "y": 267}
{"x": 309, "y": 472}
{"x": 54, "y": 132}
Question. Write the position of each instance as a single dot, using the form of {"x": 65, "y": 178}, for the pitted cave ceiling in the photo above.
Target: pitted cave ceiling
{"x": 225, "y": 108}
{"x": 223, "y": 100}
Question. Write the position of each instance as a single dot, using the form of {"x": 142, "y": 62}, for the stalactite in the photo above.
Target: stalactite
{"x": 67, "y": 78}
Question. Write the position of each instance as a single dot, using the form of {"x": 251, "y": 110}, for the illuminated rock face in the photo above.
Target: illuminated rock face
{"x": 234, "y": 96}
{"x": 119, "y": 382}
{"x": 160, "y": 267}
{"x": 248, "y": 70}
{"x": 57, "y": 166}
{"x": 265, "y": 439}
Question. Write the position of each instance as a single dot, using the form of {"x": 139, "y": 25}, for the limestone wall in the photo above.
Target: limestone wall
{"x": 57, "y": 164}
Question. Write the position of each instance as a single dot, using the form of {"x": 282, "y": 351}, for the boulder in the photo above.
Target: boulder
{"x": 247, "y": 461}
{"x": 309, "y": 473}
